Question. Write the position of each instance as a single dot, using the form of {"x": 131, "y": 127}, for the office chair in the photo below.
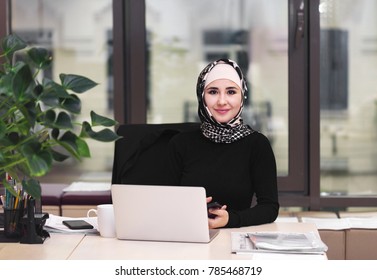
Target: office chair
{"x": 139, "y": 157}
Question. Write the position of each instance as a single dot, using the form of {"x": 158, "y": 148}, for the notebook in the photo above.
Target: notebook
{"x": 161, "y": 213}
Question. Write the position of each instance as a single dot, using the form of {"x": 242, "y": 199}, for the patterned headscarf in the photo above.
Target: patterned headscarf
{"x": 211, "y": 128}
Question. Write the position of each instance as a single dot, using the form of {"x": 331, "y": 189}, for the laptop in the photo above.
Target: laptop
{"x": 161, "y": 213}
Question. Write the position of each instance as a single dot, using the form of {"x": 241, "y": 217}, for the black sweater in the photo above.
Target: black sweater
{"x": 231, "y": 173}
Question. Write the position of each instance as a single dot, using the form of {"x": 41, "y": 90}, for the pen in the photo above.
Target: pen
{"x": 252, "y": 240}
{"x": 7, "y": 199}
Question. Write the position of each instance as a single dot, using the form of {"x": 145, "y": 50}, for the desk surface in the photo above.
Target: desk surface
{"x": 57, "y": 247}
{"x": 93, "y": 247}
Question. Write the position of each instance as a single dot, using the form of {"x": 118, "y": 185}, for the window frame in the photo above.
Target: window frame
{"x": 5, "y": 18}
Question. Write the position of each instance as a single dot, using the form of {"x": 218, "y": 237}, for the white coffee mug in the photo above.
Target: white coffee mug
{"x": 105, "y": 219}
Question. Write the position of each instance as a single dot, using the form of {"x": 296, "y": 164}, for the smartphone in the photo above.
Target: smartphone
{"x": 77, "y": 224}
{"x": 213, "y": 205}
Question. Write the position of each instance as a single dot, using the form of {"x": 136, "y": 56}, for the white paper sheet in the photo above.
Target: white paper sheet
{"x": 88, "y": 186}
{"x": 328, "y": 223}
{"x": 55, "y": 224}
{"x": 286, "y": 220}
{"x": 342, "y": 223}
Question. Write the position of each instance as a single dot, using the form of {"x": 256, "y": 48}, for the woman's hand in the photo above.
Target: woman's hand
{"x": 221, "y": 218}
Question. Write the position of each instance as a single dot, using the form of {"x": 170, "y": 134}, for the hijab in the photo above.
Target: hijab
{"x": 215, "y": 131}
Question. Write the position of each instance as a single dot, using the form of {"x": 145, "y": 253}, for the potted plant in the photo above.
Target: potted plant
{"x": 37, "y": 124}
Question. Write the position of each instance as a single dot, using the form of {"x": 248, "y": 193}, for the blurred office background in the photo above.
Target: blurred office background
{"x": 183, "y": 36}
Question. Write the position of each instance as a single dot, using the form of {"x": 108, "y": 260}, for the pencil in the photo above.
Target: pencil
{"x": 16, "y": 201}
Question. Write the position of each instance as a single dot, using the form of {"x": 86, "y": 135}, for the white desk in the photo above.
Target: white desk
{"x": 92, "y": 247}
{"x": 57, "y": 247}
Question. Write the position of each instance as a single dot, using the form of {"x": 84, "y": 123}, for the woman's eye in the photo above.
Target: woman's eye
{"x": 212, "y": 92}
{"x": 231, "y": 92}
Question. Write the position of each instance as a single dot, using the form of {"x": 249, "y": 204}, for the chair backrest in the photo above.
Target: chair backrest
{"x": 139, "y": 156}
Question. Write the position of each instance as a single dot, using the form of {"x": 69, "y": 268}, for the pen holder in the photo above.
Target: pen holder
{"x": 33, "y": 223}
{"x": 12, "y": 222}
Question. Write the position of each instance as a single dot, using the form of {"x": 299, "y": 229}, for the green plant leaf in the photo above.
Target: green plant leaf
{"x": 32, "y": 187}
{"x": 41, "y": 57}
{"x": 21, "y": 128}
{"x": 21, "y": 82}
{"x": 3, "y": 128}
{"x": 71, "y": 104}
{"x": 5, "y": 142}
{"x": 10, "y": 44}
{"x": 39, "y": 161}
{"x": 55, "y": 133}
{"x": 76, "y": 83}
{"x": 49, "y": 99}
{"x": 9, "y": 187}
{"x": 49, "y": 117}
{"x": 38, "y": 90}
{"x": 51, "y": 86}
{"x": 52, "y": 93}
{"x": 6, "y": 84}
{"x": 14, "y": 137}
{"x": 83, "y": 148}
{"x": 104, "y": 135}
{"x": 40, "y": 164}
{"x": 29, "y": 112}
{"x": 63, "y": 121}
{"x": 68, "y": 142}
{"x": 101, "y": 120}
{"x": 58, "y": 156}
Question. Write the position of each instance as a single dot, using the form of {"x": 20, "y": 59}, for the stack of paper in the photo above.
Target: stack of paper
{"x": 327, "y": 223}
{"x": 88, "y": 186}
{"x": 55, "y": 224}
{"x": 286, "y": 220}
{"x": 343, "y": 223}
{"x": 277, "y": 242}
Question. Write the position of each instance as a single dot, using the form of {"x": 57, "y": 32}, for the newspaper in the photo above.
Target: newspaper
{"x": 278, "y": 242}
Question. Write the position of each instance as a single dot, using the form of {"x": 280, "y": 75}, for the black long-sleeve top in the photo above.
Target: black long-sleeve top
{"x": 231, "y": 173}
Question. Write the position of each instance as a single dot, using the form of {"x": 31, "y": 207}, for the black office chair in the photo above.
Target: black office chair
{"x": 140, "y": 155}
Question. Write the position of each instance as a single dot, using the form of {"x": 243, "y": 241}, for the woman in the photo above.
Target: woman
{"x": 228, "y": 158}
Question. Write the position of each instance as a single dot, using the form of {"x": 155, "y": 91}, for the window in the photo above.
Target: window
{"x": 184, "y": 36}
{"x": 179, "y": 41}
{"x": 78, "y": 34}
{"x": 348, "y": 98}
{"x": 312, "y": 95}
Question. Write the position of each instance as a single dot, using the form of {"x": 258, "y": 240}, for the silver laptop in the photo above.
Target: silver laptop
{"x": 161, "y": 213}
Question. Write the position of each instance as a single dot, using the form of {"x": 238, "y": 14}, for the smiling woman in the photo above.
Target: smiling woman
{"x": 229, "y": 159}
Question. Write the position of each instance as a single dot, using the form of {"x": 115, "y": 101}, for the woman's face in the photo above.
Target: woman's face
{"x": 223, "y": 99}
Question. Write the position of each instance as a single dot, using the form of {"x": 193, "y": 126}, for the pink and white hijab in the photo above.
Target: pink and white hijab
{"x": 217, "y": 132}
